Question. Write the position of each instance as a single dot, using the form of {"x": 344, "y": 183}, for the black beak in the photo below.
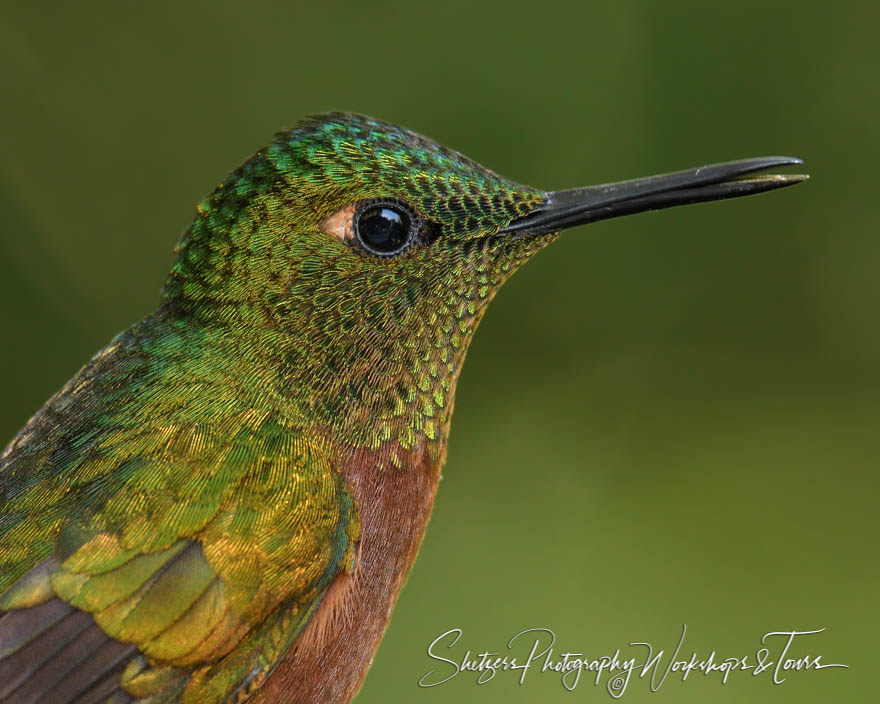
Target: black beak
{"x": 579, "y": 206}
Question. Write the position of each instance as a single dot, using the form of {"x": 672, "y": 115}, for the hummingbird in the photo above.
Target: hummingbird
{"x": 224, "y": 503}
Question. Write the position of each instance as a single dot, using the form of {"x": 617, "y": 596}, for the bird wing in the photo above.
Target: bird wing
{"x": 169, "y": 561}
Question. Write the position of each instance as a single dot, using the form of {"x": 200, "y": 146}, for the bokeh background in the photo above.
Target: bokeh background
{"x": 666, "y": 419}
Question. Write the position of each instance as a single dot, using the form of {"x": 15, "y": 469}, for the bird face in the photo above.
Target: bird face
{"x": 359, "y": 258}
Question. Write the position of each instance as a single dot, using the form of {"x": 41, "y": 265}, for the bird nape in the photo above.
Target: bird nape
{"x": 224, "y": 503}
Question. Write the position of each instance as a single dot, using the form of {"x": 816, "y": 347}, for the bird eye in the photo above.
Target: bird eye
{"x": 385, "y": 227}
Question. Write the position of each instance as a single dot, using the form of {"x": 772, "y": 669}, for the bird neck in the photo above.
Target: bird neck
{"x": 390, "y": 396}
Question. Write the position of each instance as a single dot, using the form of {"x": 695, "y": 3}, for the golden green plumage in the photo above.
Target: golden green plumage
{"x": 182, "y": 521}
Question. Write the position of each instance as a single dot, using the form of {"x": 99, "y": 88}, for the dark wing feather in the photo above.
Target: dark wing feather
{"x": 61, "y": 662}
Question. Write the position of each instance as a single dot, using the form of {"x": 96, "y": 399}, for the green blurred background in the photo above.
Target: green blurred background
{"x": 665, "y": 419}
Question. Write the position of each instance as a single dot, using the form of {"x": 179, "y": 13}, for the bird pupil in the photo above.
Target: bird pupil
{"x": 384, "y": 229}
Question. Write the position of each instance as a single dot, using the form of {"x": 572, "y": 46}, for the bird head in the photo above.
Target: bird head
{"x": 358, "y": 258}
